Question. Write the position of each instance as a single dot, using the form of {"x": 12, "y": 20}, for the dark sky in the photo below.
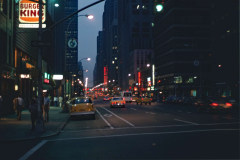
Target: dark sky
{"x": 87, "y": 35}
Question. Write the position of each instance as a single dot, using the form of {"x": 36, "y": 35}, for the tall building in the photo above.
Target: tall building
{"x": 7, "y": 54}
{"x": 98, "y": 68}
{"x": 71, "y": 37}
{"x": 224, "y": 58}
{"x": 71, "y": 46}
{"x": 110, "y": 38}
{"x": 135, "y": 35}
{"x": 192, "y": 43}
{"x": 127, "y": 30}
{"x": 18, "y": 56}
{"x": 182, "y": 43}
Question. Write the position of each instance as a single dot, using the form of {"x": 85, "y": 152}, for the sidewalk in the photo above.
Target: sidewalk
{"x": 13, "y": 130}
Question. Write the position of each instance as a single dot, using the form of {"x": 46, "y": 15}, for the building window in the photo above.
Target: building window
{"x": 178, "y": 79}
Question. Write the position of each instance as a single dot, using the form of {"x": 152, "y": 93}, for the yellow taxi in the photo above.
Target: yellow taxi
{"x": 117, "y": 102}
{"x": 144, "y": 99}
{"x": 81, "y": 106}
{"x": 134, "y": 98}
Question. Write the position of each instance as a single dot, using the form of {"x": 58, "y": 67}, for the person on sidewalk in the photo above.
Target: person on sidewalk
{"x": 55, "y": 99}
{"x": 60, "y": 100}
{"x": 18, "y": 106}
{"x": 46, "y": 106}
{"x": 33, "y": 108}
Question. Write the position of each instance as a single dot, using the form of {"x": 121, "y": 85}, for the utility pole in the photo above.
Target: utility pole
{"x": 40, "y": 123}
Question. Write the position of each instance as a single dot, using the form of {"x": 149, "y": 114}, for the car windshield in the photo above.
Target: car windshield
{"x": 82, "y": 100}
{"x": 127, "y": 95}
{"x": 116, "y": 98}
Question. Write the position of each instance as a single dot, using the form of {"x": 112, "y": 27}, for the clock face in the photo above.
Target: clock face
{"x": 72, "y": 43}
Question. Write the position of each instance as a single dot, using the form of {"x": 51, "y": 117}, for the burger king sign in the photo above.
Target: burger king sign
{"x": 29, "y": 11}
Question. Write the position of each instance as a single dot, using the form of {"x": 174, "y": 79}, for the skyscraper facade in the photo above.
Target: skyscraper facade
{"x": 71, "y": 37}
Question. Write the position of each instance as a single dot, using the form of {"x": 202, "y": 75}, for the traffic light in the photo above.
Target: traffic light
{"x": 158, "y": 5}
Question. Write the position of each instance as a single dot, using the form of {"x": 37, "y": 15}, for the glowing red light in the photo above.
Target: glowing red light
{"x": 214, "y": 104}
{"x": 228, "y": 104}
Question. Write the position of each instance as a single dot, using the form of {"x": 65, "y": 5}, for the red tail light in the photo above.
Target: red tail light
{"x": 228, "y": 104}
{"x": 142, "y": 98}
{"x": 131, "y": 99}
{"x": 214, "y": 104}
{"x": 151, "y": 99}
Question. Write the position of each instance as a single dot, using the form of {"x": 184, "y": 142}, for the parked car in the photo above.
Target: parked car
{"x": 188, "y": 100}
{"x": 144, "y": 99}
{"x": 117, "y": 102}
{"x": 79, "y": 106}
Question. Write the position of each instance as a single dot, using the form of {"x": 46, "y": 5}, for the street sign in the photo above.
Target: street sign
{"x": 39, "y": 44}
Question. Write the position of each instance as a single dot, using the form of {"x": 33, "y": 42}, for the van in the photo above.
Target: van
{"x": 127, "y": 95}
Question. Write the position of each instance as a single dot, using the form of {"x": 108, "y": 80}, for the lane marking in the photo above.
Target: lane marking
{"x": 34, "y": 149}
{"x": 120, "y": 117}
{"x": 134, "y": 109}
{"x": 186, "y": 121}
{"x": 109, "y": 125}
{"x": 151, "y": 133}
{"x": 147, "y": 127}
{"x": 107, "y": 115}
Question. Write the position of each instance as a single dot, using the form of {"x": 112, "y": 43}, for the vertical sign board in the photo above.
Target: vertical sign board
{"x": 139, "y": 78}
{"x": 29, "y": 14}
{"x": 105, "y": 75}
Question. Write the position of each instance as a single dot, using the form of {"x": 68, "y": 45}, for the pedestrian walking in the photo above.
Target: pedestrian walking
{"x": 33, "y": 108}
{"x": 18, "y": 106}
{"x": 46, "y": 106}
{"x": 1, "y": 106}
{"x": 55, "y": 99}
{"x": 60, "y": 100}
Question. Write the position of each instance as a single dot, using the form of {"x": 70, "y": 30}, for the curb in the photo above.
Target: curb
{"x": 39, "y": 137}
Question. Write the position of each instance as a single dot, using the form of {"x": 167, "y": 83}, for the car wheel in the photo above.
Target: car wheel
{"x": 149, "y": 103}
{"x": 137, "y": 103}
{"x": 145, "y": 103}
{"x": 123, "y": 106}
{"x": 141, "y": 103}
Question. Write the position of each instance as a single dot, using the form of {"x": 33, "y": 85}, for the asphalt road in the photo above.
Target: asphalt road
{"x": 157, "y": 131}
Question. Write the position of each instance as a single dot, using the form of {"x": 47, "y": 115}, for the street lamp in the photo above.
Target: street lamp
{"x": 88, "y": 59}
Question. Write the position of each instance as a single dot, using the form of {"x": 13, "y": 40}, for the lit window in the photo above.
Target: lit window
{"x": 138, "y": 6}
{"x": 113, "y": 62}
{"x": 178, "y": 79}
{"x": 117, "y": 67}
{"x": 115, "y": 58}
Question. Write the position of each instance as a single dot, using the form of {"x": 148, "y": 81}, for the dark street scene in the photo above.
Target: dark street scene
{"x": 119, "y": 80}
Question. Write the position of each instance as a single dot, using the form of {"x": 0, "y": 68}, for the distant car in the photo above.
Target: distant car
{"x": 213, "y": 104}
{"x": 134, "y": 98}
{"x": 106, "y": 98}
{"x": 144, "y": 99}
{"x": 117, "y": 102}
{"x": 127, "y": 96}
{"x": 79, "y": 106}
